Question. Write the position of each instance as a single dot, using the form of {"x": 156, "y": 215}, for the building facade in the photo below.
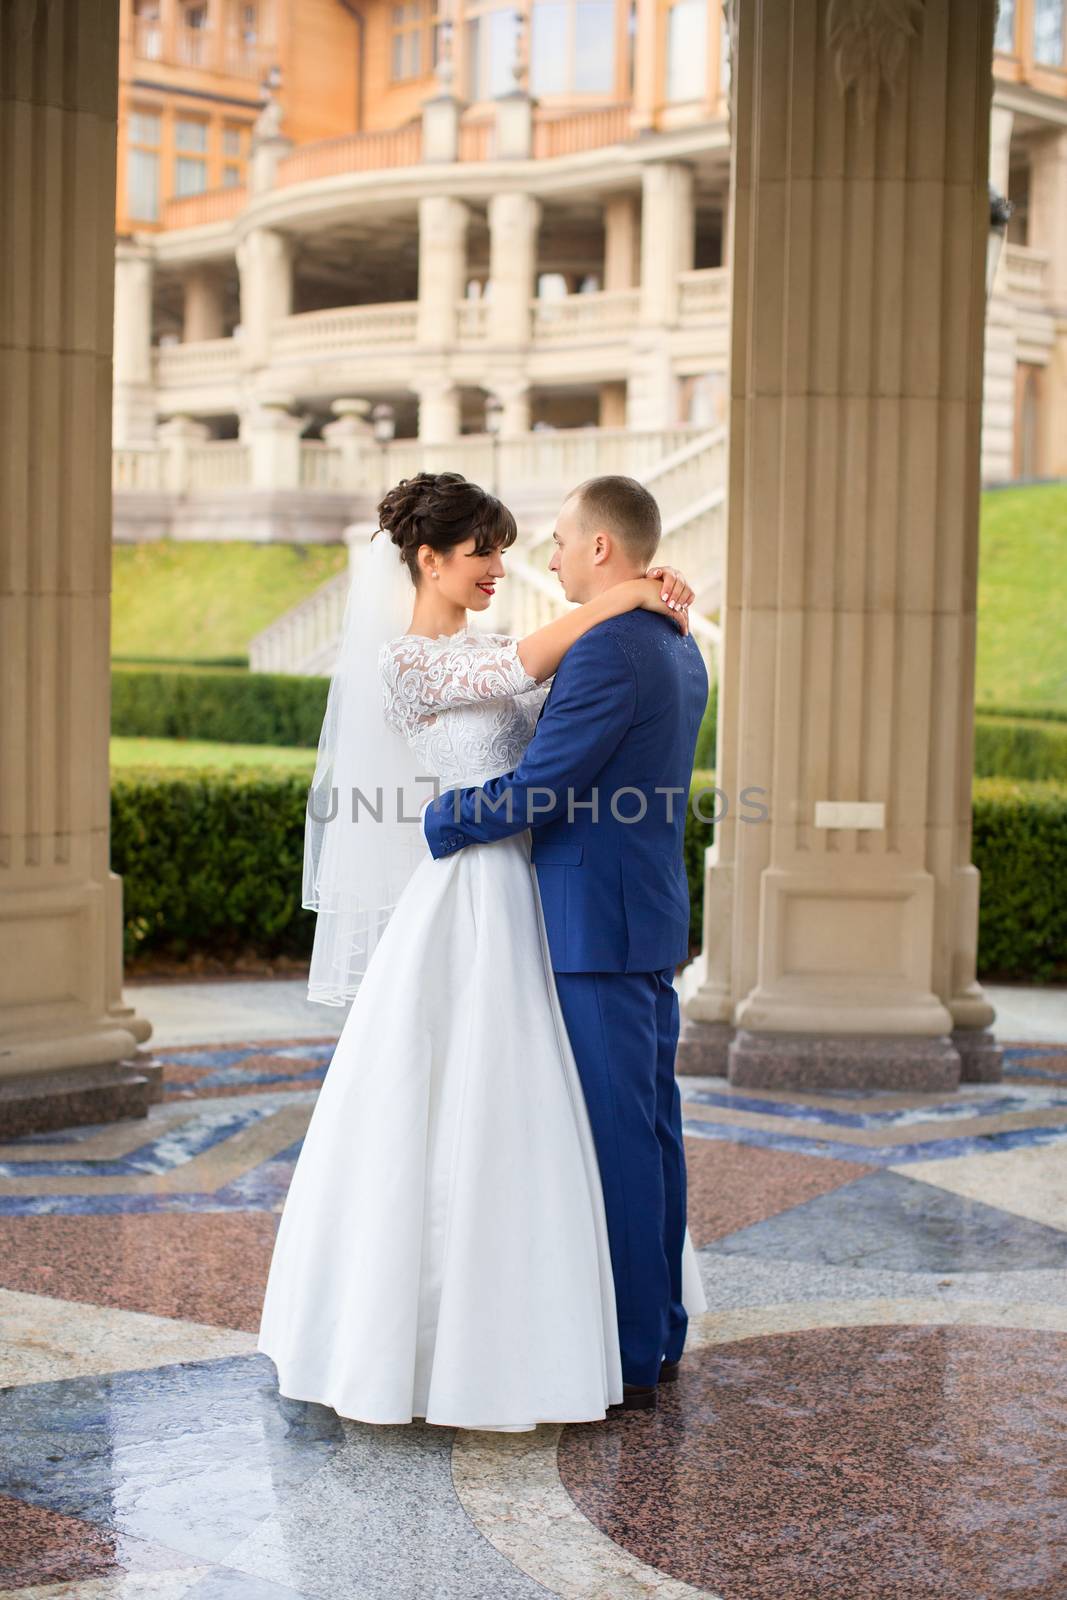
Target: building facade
{"x": 335, "y": 205}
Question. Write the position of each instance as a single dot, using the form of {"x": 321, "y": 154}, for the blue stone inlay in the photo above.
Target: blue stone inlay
{"x": 891, "y": 1222}
{"x": 946, "y": 1111}
{"x": 892, "y": 1155}
{"x": 218, "y": 1121}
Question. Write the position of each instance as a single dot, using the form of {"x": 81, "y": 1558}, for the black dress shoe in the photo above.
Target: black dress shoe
{"x": 668, "y": 1372}
{"x": 635, "y": 1397}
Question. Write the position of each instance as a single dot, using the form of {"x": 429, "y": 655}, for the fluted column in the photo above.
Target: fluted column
{"x": 442, "y": 267}
{"x": 840, "y": 928}
{"x": 63, "y": 1027}
{"x": 133, "y": 395}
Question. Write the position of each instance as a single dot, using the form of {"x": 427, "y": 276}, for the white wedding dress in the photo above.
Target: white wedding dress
{"x": 442, "y": 1251}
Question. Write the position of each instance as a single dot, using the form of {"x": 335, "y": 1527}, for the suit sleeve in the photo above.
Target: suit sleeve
{"x": 591, "y": 708}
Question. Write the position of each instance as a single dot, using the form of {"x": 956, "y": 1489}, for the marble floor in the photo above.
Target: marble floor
{"x": 874, "y": 1406}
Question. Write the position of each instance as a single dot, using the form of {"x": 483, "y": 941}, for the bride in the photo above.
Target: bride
{"x": 442, "y": 1252}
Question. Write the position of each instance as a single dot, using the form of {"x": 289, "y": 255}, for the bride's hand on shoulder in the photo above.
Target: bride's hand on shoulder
{"x": 676, "y": 591}
{"x": 648, "y": 595}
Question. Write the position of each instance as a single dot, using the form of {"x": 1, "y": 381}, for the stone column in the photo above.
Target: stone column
{"x": 133, "y": 398}
{"x": 438, "y": 409}
{"x": 513, "y": 223}
{"x": 68, "y": 1043}
{"x": 998, "y": 382}
{"x": 1048, "y": 232}
{"x": 440, "y": 128}
{"x": 666, "y": 250}
{"x": 204, "y": 314}
{"x": 648, "y": 65}
{"x": 352, "y": 435}
{"x": 265, "y": 265}
{"x": 622, "y": 242}
{"x": 273, "y": 433}
{"x": 442, "y": 267}
{"x": 841, "y": 923}
{"x": 514, "y": 396}
{"x": 1048, "y": 210}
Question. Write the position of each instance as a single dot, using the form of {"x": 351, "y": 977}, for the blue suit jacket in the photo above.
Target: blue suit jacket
{"x": 618, "y": 727}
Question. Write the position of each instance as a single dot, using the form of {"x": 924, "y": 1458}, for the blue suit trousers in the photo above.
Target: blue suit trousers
{"x": 623, "y": 1028}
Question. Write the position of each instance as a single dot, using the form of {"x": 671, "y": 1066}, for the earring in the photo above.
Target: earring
{"x": 433, "y": 574}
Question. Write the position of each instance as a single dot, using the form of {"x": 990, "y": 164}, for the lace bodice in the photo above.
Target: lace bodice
{"x": 464, "y": 702}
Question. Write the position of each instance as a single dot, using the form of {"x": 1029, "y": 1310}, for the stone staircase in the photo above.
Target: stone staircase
{"x": 690, "y": 485}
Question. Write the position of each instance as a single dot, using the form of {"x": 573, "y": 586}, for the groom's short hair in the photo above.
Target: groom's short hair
{"x": 624, "y": 508}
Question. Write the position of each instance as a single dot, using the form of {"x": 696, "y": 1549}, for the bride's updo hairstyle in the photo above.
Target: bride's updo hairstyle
{"x": 443, "y": 509}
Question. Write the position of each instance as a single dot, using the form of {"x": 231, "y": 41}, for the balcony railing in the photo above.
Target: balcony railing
{"x": 585, "y": 316}
{"x": 206, "y": 49}
{"x": 314, "y": 333}
{"x": 567, "y": 133}
{"x": 1025, "y": 274}
{"x": 210, "y": 205}
{"x": 352, "y": 152}
{"x": 704, "y": 296}
{"x": 544, "y": 461}
{"x": 202, "y": 361}
{"x": 472, "y": 320}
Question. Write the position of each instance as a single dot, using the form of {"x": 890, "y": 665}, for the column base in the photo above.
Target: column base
{"x": 42, "y": 1102}
{"x": 703, "y": 1048}
{"x": 981, "y": 1057}
{"x": 914, "y": 1062}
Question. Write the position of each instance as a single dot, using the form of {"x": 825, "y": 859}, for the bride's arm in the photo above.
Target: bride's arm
{"x": 542, "y": 651}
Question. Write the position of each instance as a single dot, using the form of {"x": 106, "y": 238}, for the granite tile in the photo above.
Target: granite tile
{"x": 1028, "y": 1183}
{"x": 205, "y": 1269}
{"x": 191, "y": 1456}
{"x": 874, "y": 1461}
{"x": 39, "y": 1546}
{"x": 731, "y": 1186}
{"x": 510, "y": 1486}
{"x": 887, "y": 1220}
{"x": 46, "y": 1339}
{"x": 381, "y": 1520}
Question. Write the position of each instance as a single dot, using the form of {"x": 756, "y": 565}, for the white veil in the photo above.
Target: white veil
{"x": 362, "y": 833}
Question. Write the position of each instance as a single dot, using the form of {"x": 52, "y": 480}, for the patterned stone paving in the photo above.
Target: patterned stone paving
{"x": 871, "y": 1409}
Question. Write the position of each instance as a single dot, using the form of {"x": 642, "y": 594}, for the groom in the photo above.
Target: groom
{"x": 604, "y": 786}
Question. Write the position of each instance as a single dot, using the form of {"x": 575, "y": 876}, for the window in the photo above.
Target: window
{"x": 1048, "y": 32}
{"x": 416, "y": 39}
{"x": 572, "y": 47}
{"x": 142, "y": 165}
{"x": 233, "y": 155}
{"x": 687, "y": 50}
{"x": 1005, "y": 36}
{"x": 190, "y": 156}
{"x": 492, "y": 42}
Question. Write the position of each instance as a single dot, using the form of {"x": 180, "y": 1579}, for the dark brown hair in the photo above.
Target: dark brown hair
{"x": 623, "y": 507}
{"x": 443, "y": 509}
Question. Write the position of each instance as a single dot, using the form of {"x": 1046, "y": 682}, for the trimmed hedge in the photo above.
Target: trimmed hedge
{"x": 1016, "y": 747}
{"x": 212, "y": 862}
{"x": 1019, "y": 845}
{"x": 221, "y": 705}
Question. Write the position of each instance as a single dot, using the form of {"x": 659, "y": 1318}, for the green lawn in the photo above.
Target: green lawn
{"x": 202, "y": 754}
{"x": 199, "y": 601}
{"x": 1022, "y": 598}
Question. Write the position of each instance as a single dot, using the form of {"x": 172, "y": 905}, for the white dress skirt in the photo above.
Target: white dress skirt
{"x": 442, "y": 1252}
